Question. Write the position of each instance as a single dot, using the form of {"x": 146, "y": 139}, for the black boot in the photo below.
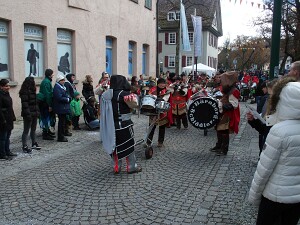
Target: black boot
{"x": 224, "y": 146}
{"x": 218, "y": 144}
{"x": 47, "y": 136}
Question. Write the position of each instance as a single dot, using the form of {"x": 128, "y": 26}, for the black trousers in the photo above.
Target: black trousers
{"x": 271, "y": 213}
{"x": 75, "y": 121}
{"x": 161, "y": 134}
{"x": 61, "y": 126}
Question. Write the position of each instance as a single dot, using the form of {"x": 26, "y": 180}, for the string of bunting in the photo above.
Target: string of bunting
{"x": 252, "y": 3}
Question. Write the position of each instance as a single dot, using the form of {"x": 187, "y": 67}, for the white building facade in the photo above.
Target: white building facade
{"x": 168, "y": 34}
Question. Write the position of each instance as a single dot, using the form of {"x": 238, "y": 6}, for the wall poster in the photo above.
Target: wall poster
{"x": 4, "y": 62}
{"x": 34, "y": 51}
{"x": 64, "y": 52}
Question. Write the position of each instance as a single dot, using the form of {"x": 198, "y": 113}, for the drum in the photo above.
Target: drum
{"x": 148, "y": 105}
{"x": 203, "y": 113}
{"x": 162, "y": 106}
{"x": 148, "y": 102}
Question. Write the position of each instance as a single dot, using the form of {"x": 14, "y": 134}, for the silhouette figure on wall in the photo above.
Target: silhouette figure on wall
{"x": 32, "y": 55}
{"x": 64, "y": 64}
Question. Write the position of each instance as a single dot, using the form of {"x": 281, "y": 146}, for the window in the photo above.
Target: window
{"x": 64, "y": 52}
{"x": 130, "y": 58}
{"x": 177, "y": 15}
{"x": 214, "y": 23}
{"x": 34, "y": 51}
{"x": 171, "y": 16}
{"x": 191, "y": 37}
{"x": 171, "y": 61}
{"x": 4, "y": 62}
{"x": 172, "y": 38}
{"x": 144, "y": 59}
{"x": 148, "y": 4}
{"x": 189, "y": 60}
{"x": 109, "y": 55}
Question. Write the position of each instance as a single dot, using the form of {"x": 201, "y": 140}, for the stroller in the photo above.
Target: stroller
{"x": 90, "y": 114}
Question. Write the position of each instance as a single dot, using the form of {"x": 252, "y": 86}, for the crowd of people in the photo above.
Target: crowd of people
{"x": 110, "y": 104}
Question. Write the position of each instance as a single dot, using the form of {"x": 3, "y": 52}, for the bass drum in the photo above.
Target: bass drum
{"x": 203, "y": 113}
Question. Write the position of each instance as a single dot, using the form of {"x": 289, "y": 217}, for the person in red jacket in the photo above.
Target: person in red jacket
{"x": 229, "y": 112}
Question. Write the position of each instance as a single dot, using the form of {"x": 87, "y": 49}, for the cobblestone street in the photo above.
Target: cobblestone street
{"x": 184, "y": 183}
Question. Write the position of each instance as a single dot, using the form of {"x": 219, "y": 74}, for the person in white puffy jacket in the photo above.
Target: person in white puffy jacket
{"x": 276, "y": 183}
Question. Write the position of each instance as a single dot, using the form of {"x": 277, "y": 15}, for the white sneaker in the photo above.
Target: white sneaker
{"x": 35, "y": 146}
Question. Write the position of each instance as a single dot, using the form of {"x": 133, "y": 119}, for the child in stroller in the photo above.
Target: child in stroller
{"x": 90, "y": 113}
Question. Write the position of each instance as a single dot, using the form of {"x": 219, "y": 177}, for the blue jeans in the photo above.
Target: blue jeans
{"x": 4, "y": 142}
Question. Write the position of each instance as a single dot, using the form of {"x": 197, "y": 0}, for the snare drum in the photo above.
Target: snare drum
{"x": 148, "y": 102}
{"x": 148, "y": 105}
{"x": 162, "y": 106}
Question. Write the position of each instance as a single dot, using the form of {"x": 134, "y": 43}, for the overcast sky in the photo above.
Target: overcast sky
{"x": 236, "y": 18}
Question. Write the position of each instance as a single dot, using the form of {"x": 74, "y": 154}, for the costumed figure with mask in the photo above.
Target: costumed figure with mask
{"x": 229, "y": 112}
{"x": 116, "y": 128}
{"x": 163, "y": 119}
{"x": 179, "y": 99}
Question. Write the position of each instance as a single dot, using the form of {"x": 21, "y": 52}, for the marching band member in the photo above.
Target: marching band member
{"x": 164, "y": 118}
{"x": 179, "y": 99}
{"x": 116, "y": 128}
{"x": 230, "y": 112}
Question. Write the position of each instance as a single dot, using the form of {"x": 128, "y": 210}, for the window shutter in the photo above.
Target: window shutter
{"x": 166, "y": 38}
{"x": 183, "y": 61}
{"x": 166, "y": 61}
{"x": 159, "y": 46}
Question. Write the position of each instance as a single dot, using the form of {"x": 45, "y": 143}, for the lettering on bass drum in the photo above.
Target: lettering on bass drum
{"x": 203, "y": 113}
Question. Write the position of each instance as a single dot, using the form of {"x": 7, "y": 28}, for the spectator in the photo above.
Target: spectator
{"x": 61, "y": 106}
{"x": 7, "y": 118}
{"x": 30, "y": 113}
{"x": 91, "y": 114}
{"x": 276, "y": 182}
{"x": 295, "y": 70}
{"x": 45, "y": 98}
{"x": 87, "y": 89}
{"x": 76, "y": 110}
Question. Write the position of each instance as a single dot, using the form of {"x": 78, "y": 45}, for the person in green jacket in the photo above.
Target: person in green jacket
{"x": 45, "y": 96}
{"x": 76, "y": 110}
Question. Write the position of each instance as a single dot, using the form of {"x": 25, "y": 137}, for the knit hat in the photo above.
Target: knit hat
{"x": 76, "y": 93}
{"x": 59, "y": 77}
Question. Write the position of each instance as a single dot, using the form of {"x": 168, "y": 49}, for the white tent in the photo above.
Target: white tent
{"x": 200, "y": 68}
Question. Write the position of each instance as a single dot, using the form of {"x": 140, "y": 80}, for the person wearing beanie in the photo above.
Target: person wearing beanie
{"x": 76, "y": 110}
{"x": 45, "y": 100}
{"x": 61, "y": 106}
{"x": 160, "y": 91}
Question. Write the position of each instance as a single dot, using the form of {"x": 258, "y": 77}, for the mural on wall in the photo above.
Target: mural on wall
{"x": 4, "y": 73}
{"x": 32, "y": 58}
{"x": 64, "y": 52}
{"x": 34, "y": 51}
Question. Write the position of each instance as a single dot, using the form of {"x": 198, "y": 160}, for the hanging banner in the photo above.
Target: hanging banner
{"x": 185, "y": 33}
{"x": 197, "y": 23}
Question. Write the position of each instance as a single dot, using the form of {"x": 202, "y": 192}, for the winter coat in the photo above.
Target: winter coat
{"x": 277, "y": 176}
{"x": 70, "y": 87}
{"x": 46, "y": 91}
{"x": 29, "y": 104}
{"x": 7, "y": 115}
{"x": 87, "y": 90}
{"x": 61, "y": 100}
{"x": 75, "y": 107}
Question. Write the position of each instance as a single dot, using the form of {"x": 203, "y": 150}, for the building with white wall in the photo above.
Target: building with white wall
{"x": 169, "y": 15}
